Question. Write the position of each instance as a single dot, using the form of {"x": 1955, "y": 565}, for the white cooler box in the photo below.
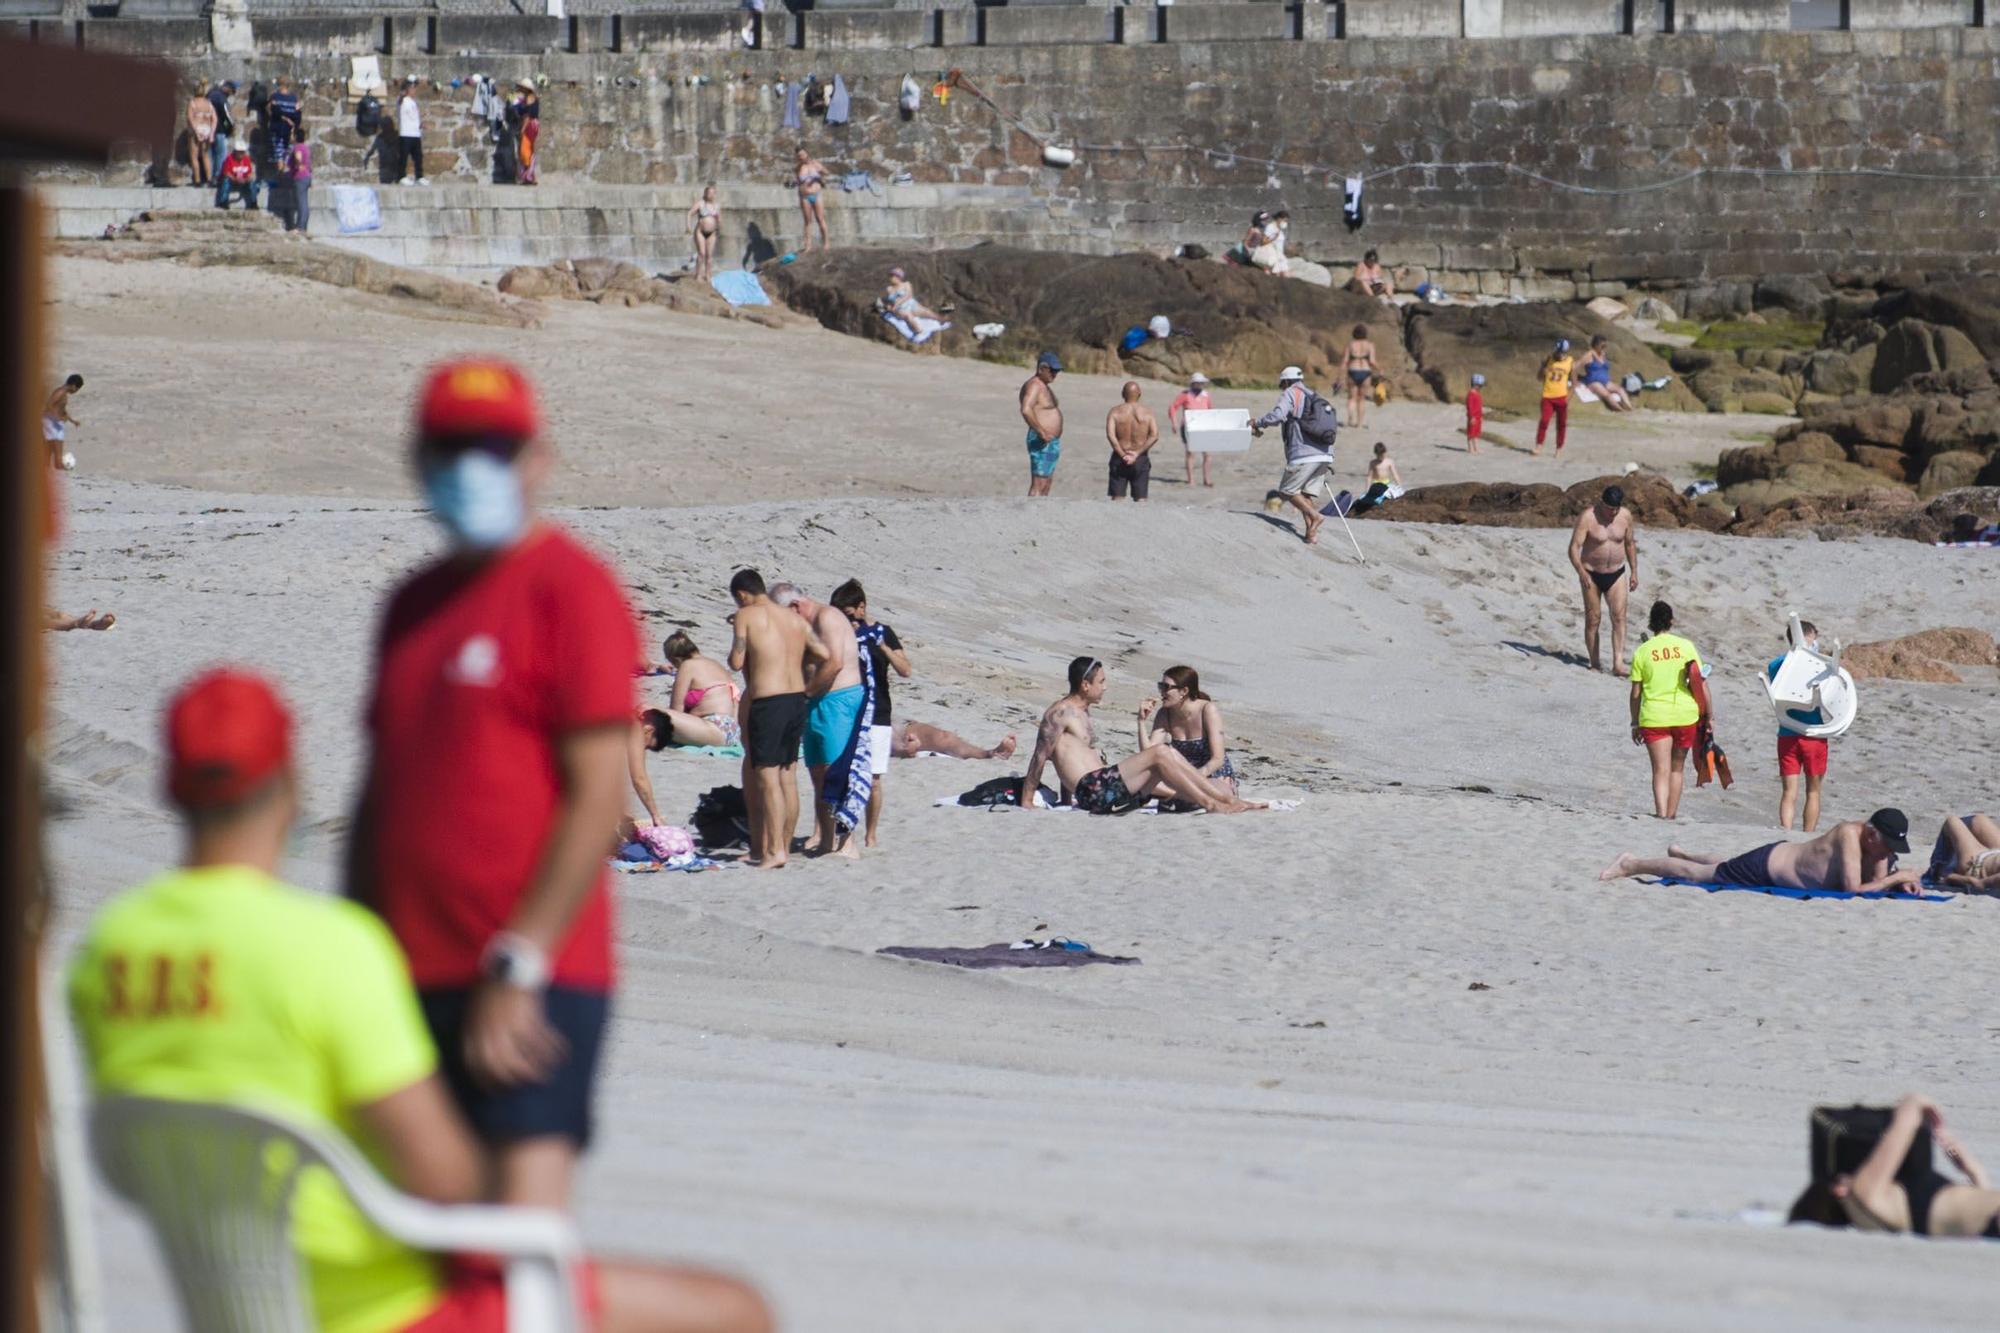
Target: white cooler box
{"x": 1218, "y": 430}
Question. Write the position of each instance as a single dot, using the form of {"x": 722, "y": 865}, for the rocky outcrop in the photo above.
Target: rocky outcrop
{"x": 1928, "y": 655}
{"x": 1507, "y": 344}
{"x": 1881, "y": 512}
{"x": 1913, "y": 347}
{"x": 1651, "y": 498}
{"x": 1238, "y": 326}
{"x": 616, "y": 283}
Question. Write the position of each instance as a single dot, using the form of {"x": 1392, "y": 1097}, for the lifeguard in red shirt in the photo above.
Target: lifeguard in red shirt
{"x": 503, "y": 696}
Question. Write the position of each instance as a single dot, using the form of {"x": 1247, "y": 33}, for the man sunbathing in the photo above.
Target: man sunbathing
{"x": 1068, "y": 739}
{"x": 1975, "y": 853}
{"x": 1857, "y": 856}
{"x": 915, "y": 738}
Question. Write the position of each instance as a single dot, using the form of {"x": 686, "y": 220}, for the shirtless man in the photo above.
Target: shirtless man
{"x": 1043, "y": 416}
{"x": 769, "y": 649}
{"x": 1604, "y": 551}
{"x": 1132, "y": 432}
{"x": 1068, "y": 739}
{"x": 1857, "y": 857}
{"x": 837, "y": 696}
{"x": 915, "y": 738}
{"x": 56, "y": 419}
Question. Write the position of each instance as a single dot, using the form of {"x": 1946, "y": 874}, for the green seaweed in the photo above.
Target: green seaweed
{"x": 1736, "y": 335}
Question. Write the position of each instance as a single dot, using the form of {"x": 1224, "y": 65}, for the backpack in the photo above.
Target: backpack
{"x": 721, "y": 819}
{"x": 1319, "y": 421}
{"x": 260, "y": 98}
{"x": 368, "y": 117}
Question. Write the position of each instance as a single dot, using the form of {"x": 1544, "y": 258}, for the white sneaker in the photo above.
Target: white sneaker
{"x": 407, "y": 180}
{"x": 424, "y": 181}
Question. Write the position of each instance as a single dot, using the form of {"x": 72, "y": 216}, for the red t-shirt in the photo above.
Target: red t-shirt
{"x": 479, "y": 675}
{"x": 239, "y": 167}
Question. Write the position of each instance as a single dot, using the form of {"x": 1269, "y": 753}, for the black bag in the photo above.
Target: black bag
{"x": 1002, "y": 791}
{"x": 721, "y": 819}
{"x": 815, "y": 98}
{"x": 368, "y": 116}
{"x": 1319, "y": 422}
{"x": 1843, "y": 1136}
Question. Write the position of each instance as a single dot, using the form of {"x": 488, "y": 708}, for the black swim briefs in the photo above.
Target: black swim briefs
{"x": 777, "y": 723}
{"x": 1606, "y": 581}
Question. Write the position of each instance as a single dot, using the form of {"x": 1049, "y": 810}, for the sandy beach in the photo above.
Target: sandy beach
{"x": 1393, "y": 1059}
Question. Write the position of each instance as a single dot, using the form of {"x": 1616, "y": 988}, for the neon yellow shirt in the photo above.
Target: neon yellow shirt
{"x": 1555, "y": 376}
{"x": 223, "y": 984}
{"x": 1659, "y": 668}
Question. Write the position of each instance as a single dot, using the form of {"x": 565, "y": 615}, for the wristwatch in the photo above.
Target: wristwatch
{"x": 514, "y": 960}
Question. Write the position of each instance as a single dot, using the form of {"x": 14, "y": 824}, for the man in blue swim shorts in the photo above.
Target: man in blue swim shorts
{"x": 833, "y": 683}
{"x": 1043, "y": 415}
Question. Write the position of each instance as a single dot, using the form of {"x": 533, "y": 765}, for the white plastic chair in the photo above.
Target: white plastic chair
{"x": 1807, "y": 681}
{"x": 216, "y": 1182}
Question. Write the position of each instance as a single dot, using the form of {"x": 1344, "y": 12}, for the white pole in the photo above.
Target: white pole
{"x": 1350, "y": 533}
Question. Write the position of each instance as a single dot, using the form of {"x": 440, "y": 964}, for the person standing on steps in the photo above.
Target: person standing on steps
{"x": 1604, "y": 552}
{"x": 410, "y": 133}
{"x": 1557, "y": 370}
{"x": 1043, "y": 415}
{"x": 225, "y": 133}
{"x": 809, "y": 176}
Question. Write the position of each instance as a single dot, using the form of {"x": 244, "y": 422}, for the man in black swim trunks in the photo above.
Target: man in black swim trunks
{"x": 1068, "y": 739}
{"x": 1858, "y": 856}
{"x": 769, "y": 649}
{"x": 1604, "y": 551}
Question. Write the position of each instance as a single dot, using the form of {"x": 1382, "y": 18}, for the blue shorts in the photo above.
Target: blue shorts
{"x": 1042, "y": 454}
{"x": 559, "y": 1107}
{"x": 831, "y": 724}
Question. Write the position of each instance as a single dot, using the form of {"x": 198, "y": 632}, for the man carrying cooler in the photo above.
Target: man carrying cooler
{"x": 502, "y": 705}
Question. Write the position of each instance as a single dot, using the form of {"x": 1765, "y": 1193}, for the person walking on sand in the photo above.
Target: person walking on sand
{"x": 500, "y": 719}
{"x": 1067, "y": 738}
{"x": 1858, "y": 856}
{"x": 56, "y": 419}
{"x": 836, "y": 739}
{"x": 704, "y": 220}
{"x": 1798, "y": 753}
{"x": 1664, "y": 711}
{"x": 1557, "y": 369}
{"x": 1043, "y": 415}
{"x": 1132, "y": 431}
{"x": 1604, "y": 552}
{"x": 1194, "y": 398}
{"x": 1308, "y": 454}
{"x": 770, "y": 648}
{"x": 885, "y": 654}
{"x": 1359, "y": 359}
{"x": 809, "y": 176}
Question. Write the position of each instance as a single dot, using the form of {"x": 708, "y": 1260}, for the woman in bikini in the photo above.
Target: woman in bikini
{"x": 1890, "y": 1194}
{"x": 810, "y": 177}
{"x": 1185, "y": 718}
{"x": 704, "y": 221}
{"x": 704, "y": 704}
{"x": 1359, "y": 359}
{"x": 1974, "y": 845}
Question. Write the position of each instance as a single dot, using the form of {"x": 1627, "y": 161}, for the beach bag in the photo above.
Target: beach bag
{"x": 1319, "y": 422}
{"x": 910, "y": 96}
{"x": 721, "y": 819}
{"x": 666, "y": 841}
{"x": 368, "y": 116}
{"x": 815, "y": 98}
{"x": 1633, "y": 383}
{"x": 1843, "y": 1136}
{"x": 994, "y": 791}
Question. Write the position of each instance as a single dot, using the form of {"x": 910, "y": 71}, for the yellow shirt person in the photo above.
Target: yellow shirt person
{"x": 1556, "y": 372}
{"x": 1659, "y": 670}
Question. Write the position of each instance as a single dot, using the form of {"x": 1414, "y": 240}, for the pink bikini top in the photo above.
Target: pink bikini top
{"x": 694, "y": 697}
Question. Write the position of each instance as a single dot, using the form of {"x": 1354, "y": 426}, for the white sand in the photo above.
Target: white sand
{"x": 1179, "y": 1145}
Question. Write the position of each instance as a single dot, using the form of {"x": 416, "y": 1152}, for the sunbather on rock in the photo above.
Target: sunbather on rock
{"x": 1858, "y": 856}
{"x": 1975, "y": 853}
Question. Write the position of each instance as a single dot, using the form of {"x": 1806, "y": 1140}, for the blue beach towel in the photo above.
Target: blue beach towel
{"x": 739, "y": 287}
{"x": 1778, "y": 891}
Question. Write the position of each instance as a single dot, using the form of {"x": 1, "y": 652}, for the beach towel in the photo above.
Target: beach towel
{"x": 848, "y": 780}
{"x": 719, "y": 751}
{"x": 356, "y": 208}
{"x": 1780, "y": 891}
{"x": 919, "y": 330}
{"x": 1021, "y": 953}
{"x": 683, "y": 864}
{"x": 854, "y": 182}
{"x": 739, "y": 287}
{"x": 838, "y": 102}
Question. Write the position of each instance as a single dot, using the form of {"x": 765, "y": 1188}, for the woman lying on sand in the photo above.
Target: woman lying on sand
{"x": 1188, "y": 720}
{"x": 1928, "y": 1203}
{"x": 1975, "y": 853}
{"x": 704, "y": 704}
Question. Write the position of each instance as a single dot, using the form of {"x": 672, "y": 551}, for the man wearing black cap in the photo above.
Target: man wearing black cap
{"x": 1604, "y": 551}
{"x": 1858, "y": 856}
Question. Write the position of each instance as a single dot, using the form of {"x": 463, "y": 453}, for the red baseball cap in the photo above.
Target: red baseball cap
{"x": 479, "y": 396}
{"x": 227, "y": 732}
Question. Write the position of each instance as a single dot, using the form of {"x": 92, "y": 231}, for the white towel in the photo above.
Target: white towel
{"x": 918, "y": 330}
{"x": 356, "y": 208}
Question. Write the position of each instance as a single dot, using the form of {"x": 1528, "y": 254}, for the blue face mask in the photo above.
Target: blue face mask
{"x": 478, "y": 499}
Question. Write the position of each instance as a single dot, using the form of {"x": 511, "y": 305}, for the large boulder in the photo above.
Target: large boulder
{"x": 1927, "y": 655}
{"x": 1652, "y": 499}
{"x": 1801, "y": 294}
{"x": 1507, "y": 344}
{"x": 1766, "y": 462}
{"x": 1833, "y": 372}
{"x": 1730, "y": 386}
{"x": 1236, "y": 325}
{"x": 1970, "y": 306}
{"x": 1914, "y": 347}
{"x": 1950, "y": 471}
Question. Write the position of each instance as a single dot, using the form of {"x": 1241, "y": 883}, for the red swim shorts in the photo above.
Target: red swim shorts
{"x": 1682, "y": 737}
{"x": 1797, "y": 754}
{"x": 476, "y": 1299}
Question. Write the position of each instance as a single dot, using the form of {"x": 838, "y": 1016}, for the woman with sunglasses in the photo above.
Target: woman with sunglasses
{"x": 1187, "y": 719}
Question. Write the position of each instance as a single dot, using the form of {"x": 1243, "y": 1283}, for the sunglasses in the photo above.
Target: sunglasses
{"x": 1167, "y": 686}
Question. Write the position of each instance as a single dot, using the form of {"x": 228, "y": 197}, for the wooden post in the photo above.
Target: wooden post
{"x": 65, "y": 104}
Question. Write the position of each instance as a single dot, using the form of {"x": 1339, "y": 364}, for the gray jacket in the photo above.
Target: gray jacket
{"x": 1298, "y": 449}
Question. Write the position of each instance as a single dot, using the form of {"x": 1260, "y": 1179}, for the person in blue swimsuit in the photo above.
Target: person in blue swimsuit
{"x": 1043, "y": 416}
{"x": 1597, "y": 376}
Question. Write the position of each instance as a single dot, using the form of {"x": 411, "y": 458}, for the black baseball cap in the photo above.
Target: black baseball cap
{"x": 1615, "y": 496}
{"x": 1894, "y": 826}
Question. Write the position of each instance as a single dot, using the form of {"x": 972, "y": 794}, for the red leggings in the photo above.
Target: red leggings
{"x": 1559, "y": 409}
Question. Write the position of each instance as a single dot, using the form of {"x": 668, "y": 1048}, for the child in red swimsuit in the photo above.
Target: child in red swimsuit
{"x": 1475, "y": 415}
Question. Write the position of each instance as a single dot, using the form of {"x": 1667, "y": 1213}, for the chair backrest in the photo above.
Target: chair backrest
{"x": 216, "y": 1183}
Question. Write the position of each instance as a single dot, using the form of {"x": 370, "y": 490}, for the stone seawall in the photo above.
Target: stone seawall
{"x": 1176, "y": 139}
